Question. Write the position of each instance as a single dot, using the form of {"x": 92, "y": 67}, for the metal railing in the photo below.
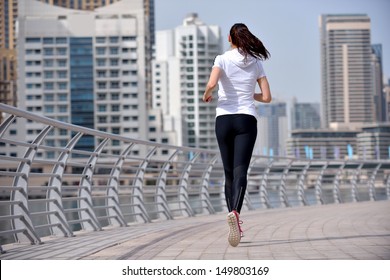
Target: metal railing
{"x": 51, "y": 189}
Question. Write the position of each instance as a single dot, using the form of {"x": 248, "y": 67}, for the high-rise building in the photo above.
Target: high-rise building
{"x": 305, "y": 115}
{"x": 8, "y": 15}
{"x": 386, "y": 92}
{"x": 85, "y": 68}
{"x": 377, "y": 85}
{"x": 148, "y": 8}
{"x": 272, "y": 128}
{"x": 183, "y": 60}
{"x": 347, "y": 91}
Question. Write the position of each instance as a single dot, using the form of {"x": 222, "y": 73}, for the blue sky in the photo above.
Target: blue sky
{"x": 288, "y": 28}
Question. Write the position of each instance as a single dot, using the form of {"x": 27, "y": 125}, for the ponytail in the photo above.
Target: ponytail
{"x": 248, "y": 43}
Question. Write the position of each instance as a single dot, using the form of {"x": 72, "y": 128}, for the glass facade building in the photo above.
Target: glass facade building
{"x": 86, "y": 68}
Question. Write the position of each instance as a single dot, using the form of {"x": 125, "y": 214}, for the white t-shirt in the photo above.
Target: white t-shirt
{"x": 237, "y": 82}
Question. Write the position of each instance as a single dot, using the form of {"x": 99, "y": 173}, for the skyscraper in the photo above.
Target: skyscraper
{"x": 347, "y": 92}
{"x": 8, "y": 15}
{"x": 377, "y": 85}
{"x": 148, "y": 8}
{"x": 85, "y": 68}
{"x": 184, "y": 57}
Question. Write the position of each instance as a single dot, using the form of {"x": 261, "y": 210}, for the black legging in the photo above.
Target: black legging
{"x": 236, "y": 136}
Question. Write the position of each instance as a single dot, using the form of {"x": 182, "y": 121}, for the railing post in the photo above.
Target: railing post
{"x": 354, "y": 189}
{"x": 161, "y": 195}
{"x": 388, "y": 187}
{"x": 138, "y": 185}
{"x": 318, "y": 185}
{"x": 371, "y": 183}
{"x": 56, "y": 193}
{"x": 282, "y": 189}
{"x": 114, "y": 211}
{"x": 301, "y": 185}
{"x": 336, "y": 184}
{"x": 264, "y": 199}
{"x": 21, "y": 195}
{"x": 183, "y": 184}
{"x": 90, "y": 221}
{"x": 205, "y": 196}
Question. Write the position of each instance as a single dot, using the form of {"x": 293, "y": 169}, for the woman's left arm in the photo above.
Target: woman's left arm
{"x": 211, "y": 84}
{"x": 265, "y": 95}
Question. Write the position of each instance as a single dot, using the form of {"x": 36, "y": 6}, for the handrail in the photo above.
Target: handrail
{"x": 78, "y": 189}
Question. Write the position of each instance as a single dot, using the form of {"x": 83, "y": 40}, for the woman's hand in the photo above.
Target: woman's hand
{"x": 207, "y": 97}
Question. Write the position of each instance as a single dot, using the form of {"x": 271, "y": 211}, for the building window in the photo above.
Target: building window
{"x": 114, "y": 50}
{"x": 47, "y": 51}
{"x": 114, "y": 62}
{"x": 115, "y": 119}
{"x": 100, "y": 50}
{"x": 62, "y": 74}
{"x": 114, "y": 73}
{"x": 33, "y": 40}
{"x": 100, "y": 40}
{"x": 61, "y": 63}
{"x": 61, "y": 40}
{"x": 101, "y": 62}
{"x": 114, "y": 85}
{"x": 49, "y": 97}
{"x": 114, "y": 39}
{"x": 128, "y": 38}
{"x": 48, "y": 74}
{"x": 48, "y": 63}
{"x": 49, "y": 86}
{"x": 61, "y": 51}
{"x": 63, "y": 108}
{"x": 62, "y": 97}
{"x": 102, "y": 119}
{"x": 48, "y": 41}
{"x": 62, "y": 85}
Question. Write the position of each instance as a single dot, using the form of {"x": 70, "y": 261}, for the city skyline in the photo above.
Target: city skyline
{"x": 294, "y": 67}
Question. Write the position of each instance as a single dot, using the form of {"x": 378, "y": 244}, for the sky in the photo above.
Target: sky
{"x": 289, "y": 30}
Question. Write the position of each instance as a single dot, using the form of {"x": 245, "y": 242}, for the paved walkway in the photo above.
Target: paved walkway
{"x": 341, "y": 231}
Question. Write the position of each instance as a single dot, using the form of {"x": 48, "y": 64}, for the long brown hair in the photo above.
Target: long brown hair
{"x": 248, "y": 43}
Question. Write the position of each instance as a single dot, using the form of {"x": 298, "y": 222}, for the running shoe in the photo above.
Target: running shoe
{"x": 233, "y": 220}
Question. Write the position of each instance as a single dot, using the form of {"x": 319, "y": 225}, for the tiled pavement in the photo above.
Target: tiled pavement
{"x": 339, "y": 231}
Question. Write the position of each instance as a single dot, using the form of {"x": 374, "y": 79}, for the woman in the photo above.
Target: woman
{"x": 237, "y": 71}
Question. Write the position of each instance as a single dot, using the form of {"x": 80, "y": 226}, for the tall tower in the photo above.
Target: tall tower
{"x": 347, "y": 95}
{"x": 84, "y": 67}
{"x": 149, "y": 25}
{"x": 377, "y": 78}
{"x": 8, "y": 15}
{"x": 184, "y": 57}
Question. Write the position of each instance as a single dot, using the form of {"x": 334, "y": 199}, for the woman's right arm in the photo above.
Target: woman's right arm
{"x": 265, "y": 95}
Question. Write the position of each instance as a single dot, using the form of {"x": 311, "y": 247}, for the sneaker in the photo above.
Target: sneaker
{"x": 235, "y": 232}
